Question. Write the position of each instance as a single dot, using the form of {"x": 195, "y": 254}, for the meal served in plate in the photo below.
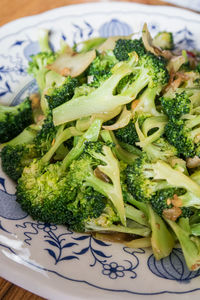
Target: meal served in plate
{"x": 111, "y": 143}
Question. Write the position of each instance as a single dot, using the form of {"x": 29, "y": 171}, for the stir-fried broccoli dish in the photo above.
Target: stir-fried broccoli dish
{"x": 110, "y": 145}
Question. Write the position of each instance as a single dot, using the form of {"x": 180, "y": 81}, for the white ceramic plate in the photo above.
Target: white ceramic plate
{"x": 50, "y": 260}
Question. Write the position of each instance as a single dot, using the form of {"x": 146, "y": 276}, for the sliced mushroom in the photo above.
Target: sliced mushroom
{"x": 123, "y": 120}
{"x": 148, "y": 43}
{"x": 72, "y": 64}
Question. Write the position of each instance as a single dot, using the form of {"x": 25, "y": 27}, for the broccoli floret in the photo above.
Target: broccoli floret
{"x": 88, "y": 204}
{"x": 19, "y": 152}
{"x": 61, "y": 94}
{"x": 160, "y": 149}
{"x": 144, "y": 179}
{"x": 182, "y": 134}
{"x": 140, "y": 186}
{"x": 43, "y": 189}
{"x": 124, "y": 47}
{"x": 46, "y": 135}
{"x": 13, "y": 119}
{"x": 15, "y": 158}
{"x": 182, "y": 130}
{"x": 98, "y": 101}
{"x": 108, "y": 166}
{"x": 177, "y": 106}
{"x": 150, "y": 71}
{"x": 164, "y": 40}
{"x": 37, "y": 67}
{"x": 43, "y": 192}
{"x": 162, "y": 201}
{"x": 100, "y": 68}
{"x": 128, "y": 133}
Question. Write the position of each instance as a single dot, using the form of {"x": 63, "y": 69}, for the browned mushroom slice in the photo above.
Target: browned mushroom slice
{"x": 148, "y": 43}
{"x": 72, "y": 64}
{"x": 122, "y": 121}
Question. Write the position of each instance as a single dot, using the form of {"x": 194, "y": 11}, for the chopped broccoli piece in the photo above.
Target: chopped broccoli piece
{"x": 98, "y": 101}
{"x": 19, "y": 152}
{"x": 14, "y": 119}
{"x": 144, "y": 179}
{"x": 124, "y": 47}
{"x": 177, "y": 106}
{"x": 61, "y": 94}
{"x": 128, "y": 133}
{"x": 150, "y": 71}
{"x": 100, "y": 68}
{"x": 162, "y": 241}
{"x": 160, "y": 200}
{"x": 37, "y": 67}
{"x": 164, "y": 40}
{"x": 182, "y": 129}
{"x": 189, "y": 243}
{"x": 43, "y": 189}
{"x": 15, "y": 158}
{"x": 160, "y": 149}
{"x": 46, "y": 135}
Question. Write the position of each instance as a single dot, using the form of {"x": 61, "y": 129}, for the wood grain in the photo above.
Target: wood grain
{"x": 8, "y": 12}
{"x": 22, "y": 8}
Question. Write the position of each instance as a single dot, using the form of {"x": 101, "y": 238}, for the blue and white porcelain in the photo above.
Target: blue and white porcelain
{"x": 50, "y": 260}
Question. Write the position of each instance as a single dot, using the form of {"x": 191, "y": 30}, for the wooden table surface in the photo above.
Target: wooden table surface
{"x": 17, "y": 9}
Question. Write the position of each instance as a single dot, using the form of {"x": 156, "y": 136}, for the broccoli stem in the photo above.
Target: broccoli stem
{"x": 111, "y": 191}
{"x": 135, "y": 229}
{"x": 190, "y": 245}
{"x": 158, "y": 123}
{"x": 130, "y": 148}
{"x": 147, "y": 101}
{"x": 43, "y": 39}
{"x": 161, "y": 240}
{"x": 91, "y": 134}
{"x": 121, "y": 154}
{"x": 175, "y": 178}
{"x": 99, "y": 101}
{"x": 139, "y": 243}
{"x": 140, "y": 205}
{"x": 140, "y": 83}
{"x": 4, "y": 109}
{"x": 136, "y": 215}
{"x": 190, "y": 200}
{"x": 27, "y": 136}
{"x": 193, "y": 122}
{"x": 61, "y": 136}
